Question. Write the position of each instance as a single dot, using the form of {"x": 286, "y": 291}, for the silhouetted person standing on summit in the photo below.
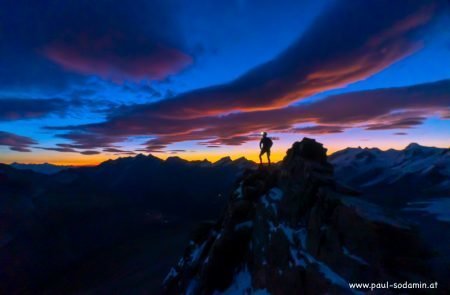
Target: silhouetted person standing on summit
{"x": 265, "y": 144}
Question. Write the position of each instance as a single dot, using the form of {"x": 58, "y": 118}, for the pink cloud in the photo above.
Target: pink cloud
{"x": 101, "y": 57}
{"x": 16, "y": 142}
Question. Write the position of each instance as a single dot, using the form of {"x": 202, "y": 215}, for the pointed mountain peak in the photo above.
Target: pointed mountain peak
{"x": 223, "y": 161}
{"x": 148, "y": 157}
{"x": 413, "y": 145}
{"x": 241, "y": 159}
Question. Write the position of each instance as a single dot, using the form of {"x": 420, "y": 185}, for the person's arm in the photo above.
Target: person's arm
{"x": 260, "y": 144}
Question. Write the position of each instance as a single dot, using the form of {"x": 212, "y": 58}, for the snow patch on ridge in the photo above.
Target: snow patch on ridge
{"x": 275, "y": 194}
{"x": 269, "y": 199}
{"x": 328, "y": 273}
{"x": 354, "y": 257}
{"x": 238, "y": 191}
{"x": 439, "y": 208}
{"x": 172, "y": 273}
{"x": 195, "y": 255}
{"x": 298, "y": 261}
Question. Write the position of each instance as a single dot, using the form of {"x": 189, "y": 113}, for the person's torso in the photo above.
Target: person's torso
{"x": 266, "y": 142}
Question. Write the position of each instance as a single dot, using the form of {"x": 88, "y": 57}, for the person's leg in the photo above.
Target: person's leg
{"x": 268, "y": 156}
{"x": 260, "y": 157}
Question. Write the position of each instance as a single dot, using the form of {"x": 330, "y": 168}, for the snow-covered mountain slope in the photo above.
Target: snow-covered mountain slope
{"x": 413, "y": 184}
{"x": 417, "y": 170}
{"x": 293, "y": 229}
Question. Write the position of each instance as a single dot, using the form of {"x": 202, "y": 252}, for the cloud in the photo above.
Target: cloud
{"x": 111, "y": 39}
{"x": 379, "y": 109}
{"x": 113, "y": 150}
{"x": 115, "y": 40}
{"x": 117, "y": 151}
{"x": 176, "y": 151}
{"x": 89, "y": 141}
{"x": 12, "y": 109}
{"x": 318, "y": 129}
{"x": 345, "y": 44}
{"x": 59, "y": 149}
{"x": 233, "y": 140}
{"x": 401, "y": 123}
{"x": 16, "y": 142}
{"x": 65, "y": 148}
{"x": 18, "y": 109}
{"x": 321, "y": 59}
{"x": 89, "y": 153}
{"x": 157, "y": 64}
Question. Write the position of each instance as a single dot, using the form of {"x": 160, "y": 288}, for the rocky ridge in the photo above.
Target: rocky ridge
{"x": 292, "y": 229}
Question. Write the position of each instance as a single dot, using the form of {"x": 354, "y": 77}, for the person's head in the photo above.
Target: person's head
{"x": 263, "y": 134}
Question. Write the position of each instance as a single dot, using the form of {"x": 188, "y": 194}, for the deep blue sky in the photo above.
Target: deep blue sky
{"x": 83, "y": 81}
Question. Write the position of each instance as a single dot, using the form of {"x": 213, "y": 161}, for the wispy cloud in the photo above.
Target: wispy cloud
{"x": 343, "y": 46}
{"x": 16, "y": 142}
{"x": 380, "y": 109}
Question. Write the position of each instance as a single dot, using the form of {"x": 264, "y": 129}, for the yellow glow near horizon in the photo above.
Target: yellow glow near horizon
{"x": 276, "y": 155}
{"x": 66, "y": 159}
{"x": 248, "y": 150}
{"x": 72, "y": 159}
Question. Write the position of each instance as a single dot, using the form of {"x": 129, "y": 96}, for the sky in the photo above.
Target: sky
{"x": 85, "y": 81}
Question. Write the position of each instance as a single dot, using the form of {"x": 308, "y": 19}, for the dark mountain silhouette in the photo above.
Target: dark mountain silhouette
{"x": 78, "y": 229}
{"x": 44, "y": 168}
{"x": 296, "y": 230}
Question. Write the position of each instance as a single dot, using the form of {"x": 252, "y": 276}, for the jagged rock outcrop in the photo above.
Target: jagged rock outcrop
{"x": 292, "y": 229}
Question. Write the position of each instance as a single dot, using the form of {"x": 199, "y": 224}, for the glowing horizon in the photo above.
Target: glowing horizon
{"x": 278, "y": 152}
{"x": 80, "y": 91}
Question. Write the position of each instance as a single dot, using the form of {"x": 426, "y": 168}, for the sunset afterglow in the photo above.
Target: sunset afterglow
{"x": 86, "y": 84}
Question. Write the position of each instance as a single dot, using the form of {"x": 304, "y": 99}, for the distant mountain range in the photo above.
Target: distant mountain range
{"x": 412, "y": 184}
{"x": 395, "y": 177}
{"x": 44, "y": 168}
{"x": 76, "y": 220}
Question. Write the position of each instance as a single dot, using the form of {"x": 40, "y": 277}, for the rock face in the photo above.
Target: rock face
{"x": 293, "y": 229}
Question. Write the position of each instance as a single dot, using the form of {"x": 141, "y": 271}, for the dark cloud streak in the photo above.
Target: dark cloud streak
{"x": 12, "y": 109}
{"x": 16, "y": 142}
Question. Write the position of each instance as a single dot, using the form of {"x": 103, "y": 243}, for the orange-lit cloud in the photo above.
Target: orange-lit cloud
{"x": 391, "y": 108}
{"x": 336, "y": 51}
{"x": 342, "y": 46}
